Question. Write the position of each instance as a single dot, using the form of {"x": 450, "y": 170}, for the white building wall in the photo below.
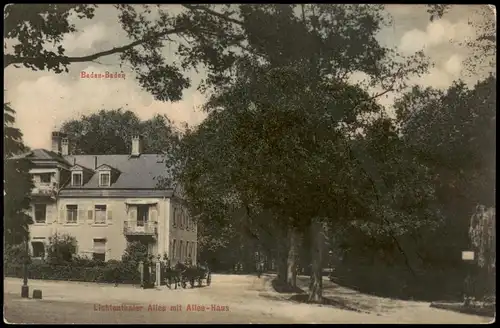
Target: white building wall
{"x": 86, "y": 230}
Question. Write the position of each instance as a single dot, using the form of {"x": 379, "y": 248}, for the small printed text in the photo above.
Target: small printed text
{"x": 161, "y": 308}
{"x": 105, "y": 75}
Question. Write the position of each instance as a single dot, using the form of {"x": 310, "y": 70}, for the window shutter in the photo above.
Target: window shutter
{"x": 90, "y": 216}
{"x": 81, "y": 216}
{"x": 132, "y": 214}
{"x": 48, "y": 214}
{"x": 154, "y": 214}
{"x": 62, "y": 215}
{"x": 109, "y": 219}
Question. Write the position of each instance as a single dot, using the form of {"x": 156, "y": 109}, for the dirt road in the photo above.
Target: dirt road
{"x": 230, "y": 299}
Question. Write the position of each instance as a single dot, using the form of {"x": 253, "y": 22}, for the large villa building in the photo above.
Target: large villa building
{"x": 104, "y": 201}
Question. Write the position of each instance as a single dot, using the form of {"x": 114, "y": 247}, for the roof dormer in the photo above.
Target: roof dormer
{"x": 107, "y": 175}
{"x": 80, "y": 175}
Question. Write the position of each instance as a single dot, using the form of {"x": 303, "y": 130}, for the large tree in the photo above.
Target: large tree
{"x": 17, "y": 182}
{"x": 277, "y": 135}
{"x": 111, "y": 132}
{"x": 457, "y": 145}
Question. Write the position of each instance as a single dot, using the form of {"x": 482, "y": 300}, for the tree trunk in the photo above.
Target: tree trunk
{"x": 316, "y": 286}
{"x": 291, "y": 278}
{"x": 281, "y": 263}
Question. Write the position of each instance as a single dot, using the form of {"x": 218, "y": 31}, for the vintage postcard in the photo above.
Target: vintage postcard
{"x": 249, "y": 164}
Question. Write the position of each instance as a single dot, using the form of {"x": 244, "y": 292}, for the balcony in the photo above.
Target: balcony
{"x": 44, "y": 190}
{"x": 140, "y": 228}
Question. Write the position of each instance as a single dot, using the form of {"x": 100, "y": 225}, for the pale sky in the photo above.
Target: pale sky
{"x": 44, "y": 100}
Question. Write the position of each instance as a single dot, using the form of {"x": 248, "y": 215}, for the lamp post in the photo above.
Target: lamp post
{"x": 25, "y": 290}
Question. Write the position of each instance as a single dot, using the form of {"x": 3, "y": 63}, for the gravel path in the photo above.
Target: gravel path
{"x": 248, "y": 299}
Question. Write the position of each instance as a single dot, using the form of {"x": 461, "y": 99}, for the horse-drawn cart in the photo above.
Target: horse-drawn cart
{"x": 193, "y": 274}
{"x": 182, "y": 274}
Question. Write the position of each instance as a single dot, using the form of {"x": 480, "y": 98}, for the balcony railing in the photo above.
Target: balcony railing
{"x": 42, "y": 189}
{"x": 140, "y": 228}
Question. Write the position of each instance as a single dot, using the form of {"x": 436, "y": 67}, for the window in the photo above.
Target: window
{"x": 38, "y": 249}
{"x": 40, "y": 213}
{"x": 174, "y": 221}
{"x": 99, "y": 249}
{"x": 182, "y": 220}
{"x": 174, "y": 255}
{"x": 189, "y": 245}
{"x": 104, "y": 179}
{"x": 45, "y": 177}
{"x": 77, "y": 179}
{"x": 180, "y": 250}
{"x": 142, "y": 215}
{"x": 100, "y": 214}
{"x": 71, "y": 213}
{"x": 99, "y": 257}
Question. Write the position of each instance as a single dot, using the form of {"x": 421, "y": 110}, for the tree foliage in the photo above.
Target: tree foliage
{"x": 199, "y": 33}
{"x": 61, "y": 248}
{"x": 452, "y": 133}
{"x": 483, "y": 44}
{"x": 135, "y": 252}
{"x": 111, "y": 132}
{"x": 17, "y": 183}
{"x": 277, "y": 142}
{"x": 482, "y": 237}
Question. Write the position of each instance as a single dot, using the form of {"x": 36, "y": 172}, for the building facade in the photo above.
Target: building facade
{"x": 105, "y": 201}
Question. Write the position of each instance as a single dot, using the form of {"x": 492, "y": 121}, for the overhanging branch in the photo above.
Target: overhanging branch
{"x": 11, "y": 59}
{"x": 212, "y": 12}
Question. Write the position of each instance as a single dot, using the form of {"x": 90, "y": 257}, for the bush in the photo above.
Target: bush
{"x": 63, "y": 264}
{"x": 115, "y": 271}
{"x": 15, "y": 254}
{"x": 61, "y": 249}
{"x": 135, "y": 252}
{"x": 83, "y": 261}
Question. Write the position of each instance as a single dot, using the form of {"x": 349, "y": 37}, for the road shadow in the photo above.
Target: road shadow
{"x": 284, "y": 288}
{"x": 488, "y": 310}
{"x": 299, "y": 295}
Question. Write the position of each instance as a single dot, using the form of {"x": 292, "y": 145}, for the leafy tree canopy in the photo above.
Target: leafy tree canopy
{"x": 111, "y": 132}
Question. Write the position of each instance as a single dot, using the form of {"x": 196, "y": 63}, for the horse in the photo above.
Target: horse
{"x": 192, "y": 273}
{"x": 186, "y": 274}
{"x": 172, "y": 276}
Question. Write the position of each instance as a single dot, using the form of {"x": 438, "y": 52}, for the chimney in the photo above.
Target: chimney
{"x": 65, "y": 146}
{"x": 136, "y": 145}
{"x": 56, "y": 141}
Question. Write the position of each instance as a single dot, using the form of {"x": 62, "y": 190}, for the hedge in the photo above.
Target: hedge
{"x": 107, "y": 273}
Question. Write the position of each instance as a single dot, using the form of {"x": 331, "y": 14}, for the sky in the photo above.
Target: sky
{"x": 44, "y": 100}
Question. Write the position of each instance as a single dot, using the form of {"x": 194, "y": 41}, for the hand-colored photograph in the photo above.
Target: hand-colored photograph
{"x": 249, "y": 164}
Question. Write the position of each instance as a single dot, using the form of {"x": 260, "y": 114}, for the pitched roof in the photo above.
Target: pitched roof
{"x": 106, "y": 167}
{"x": 42, "y": 154}
{"x": 77, "y": 167}
{"x": 135, "y": 172}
